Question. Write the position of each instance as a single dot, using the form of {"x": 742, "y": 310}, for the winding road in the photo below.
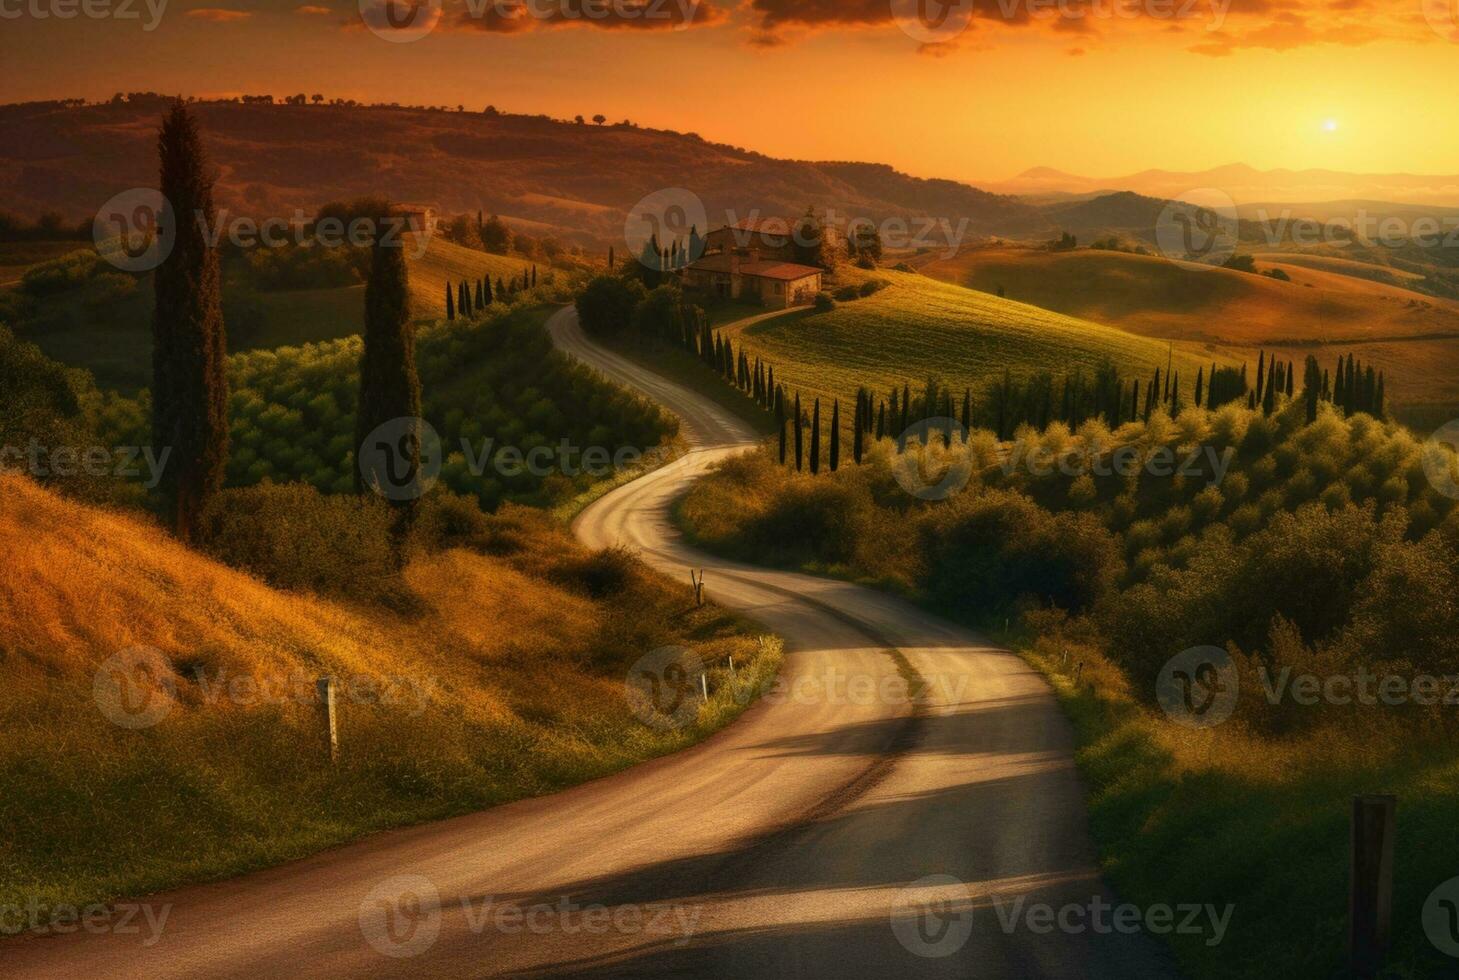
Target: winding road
{"x": 837, "y": 831}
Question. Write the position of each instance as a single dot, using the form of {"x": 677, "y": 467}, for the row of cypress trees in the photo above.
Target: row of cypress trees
{"x": 466, "y": 302}
{"x": 190, "y": 346}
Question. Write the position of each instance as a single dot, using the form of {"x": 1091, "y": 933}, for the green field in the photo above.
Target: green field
{"x": 918, "y": 328}
{"x": 108, "y": 331}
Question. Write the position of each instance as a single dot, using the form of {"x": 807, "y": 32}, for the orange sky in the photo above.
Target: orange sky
{"x": 1097, "y": 87}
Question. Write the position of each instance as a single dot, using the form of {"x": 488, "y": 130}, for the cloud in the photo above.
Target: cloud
{"x": 312, "y": 10}
{"x": 520, "y": 16}
{"x": 218, "y": 15}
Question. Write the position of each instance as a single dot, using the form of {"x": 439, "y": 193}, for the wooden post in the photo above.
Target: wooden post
{"x": 1370, "y": 898}
{"x": 732, "y": 665}
{"x": 327, "y": 716}
{"x": 698, "y": 581}
{"x": 704, "y": 686}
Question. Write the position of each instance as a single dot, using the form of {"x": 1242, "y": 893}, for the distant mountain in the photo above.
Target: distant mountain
{"x": 1244, "y": 184}
{"x": 577, "y": 181}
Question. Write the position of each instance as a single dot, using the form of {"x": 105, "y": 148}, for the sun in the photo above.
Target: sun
{"x": 1330, "y": 126}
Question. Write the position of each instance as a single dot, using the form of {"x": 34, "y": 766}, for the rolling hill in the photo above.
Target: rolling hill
{"x": 918, "y": 327}
{"x": 578, "y": 181}
{"x": 1321, "y": 311}
{"x": 507, "y": 682}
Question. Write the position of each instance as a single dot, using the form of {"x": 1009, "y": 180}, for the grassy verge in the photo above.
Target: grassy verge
{"x": 1224, "y": 816}
{"x": 503, "y": 678}
{"x": 683, "y": 368}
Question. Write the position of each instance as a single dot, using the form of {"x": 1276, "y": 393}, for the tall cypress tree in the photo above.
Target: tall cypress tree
{"x": 780, "y": 424}
{"x": 389, "y": 385}
{"x": 1200, "y": 385}
{"x": 486, "y": 290}
{"x": 858, "y": 427}
{"x": 450, "y": 301}
{"x": 480, "y": 295}
{"x": 189, "y": 340}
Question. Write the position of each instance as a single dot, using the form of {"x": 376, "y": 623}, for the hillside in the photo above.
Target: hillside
{"x": 1235, "y": 314}
{"x": 108, "y": 330}
{"x": 577, "y": 180}
{"x": 918, "y": 327}
{"x": 507, "y": 682}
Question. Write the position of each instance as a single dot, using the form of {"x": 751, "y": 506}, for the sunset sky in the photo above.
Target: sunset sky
{"x": 1359, "y": 85}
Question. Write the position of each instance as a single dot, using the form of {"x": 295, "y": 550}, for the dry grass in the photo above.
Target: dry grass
{"x": 520, "y": 665}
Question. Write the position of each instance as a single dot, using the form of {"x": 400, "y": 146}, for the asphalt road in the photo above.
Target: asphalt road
{"x": 839, "y": 829}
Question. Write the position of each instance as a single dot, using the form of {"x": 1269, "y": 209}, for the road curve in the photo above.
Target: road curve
{"x": 793, "y": 844}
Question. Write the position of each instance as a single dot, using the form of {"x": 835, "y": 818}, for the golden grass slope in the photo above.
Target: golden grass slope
{"x": 919, "y": 327}
{"x": 445, "y": 261}
{"x": 506, "y": 681}
{"x": 1157, "y": 298}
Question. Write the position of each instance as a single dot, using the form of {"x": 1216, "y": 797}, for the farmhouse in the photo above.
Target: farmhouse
{"x": 753, "y": 261}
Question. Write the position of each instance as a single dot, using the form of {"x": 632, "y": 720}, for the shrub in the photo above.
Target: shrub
{"x": 824, "y": 303}
{"x": 293, "y": 537}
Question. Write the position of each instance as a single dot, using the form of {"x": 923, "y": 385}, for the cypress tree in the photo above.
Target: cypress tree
{"x": 1261, "y": 376}
{"x": 780, "y": 424}
{"x": 881, "y": 421}
{"x": 463, "y": 300}
{"x": 858, "y": 427}
{"x": 480, "y": 295}
{"x": 610, "y": 258}
{"x": 1200, "y": 385}
{"x": 1379, "y": 412}
{"x": 835, "y": 435}
{"x": 799, "y": 437}
{"x": 486, "y": 291}
{"x": 450, "y": 301}
{"x": 189, "y": 340}
{"x": 816, "y": 438}
{"x": 501, "y": 291}
{"x": 1291, "y": 372}
{"x": 967, "y": 412}
{"x": 389, "y": 385}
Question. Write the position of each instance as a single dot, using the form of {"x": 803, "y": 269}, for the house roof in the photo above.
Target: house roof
{"x": 752, "y": 266}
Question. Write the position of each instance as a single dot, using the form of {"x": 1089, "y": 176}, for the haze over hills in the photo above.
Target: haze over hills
{"x": 577, "y": 180}
{"x": 1244, "y": 184}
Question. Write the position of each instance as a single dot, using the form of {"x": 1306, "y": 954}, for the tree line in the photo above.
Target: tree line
{"x": 468, "y": 301}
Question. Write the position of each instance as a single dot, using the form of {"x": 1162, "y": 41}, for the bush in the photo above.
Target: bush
{"x": 847, "y": 293}
{"x": 606, "y": 306}
{"x": 293, "y": 537}
{"x": 873, "y": 286}
{"x": 825, "y": 302}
